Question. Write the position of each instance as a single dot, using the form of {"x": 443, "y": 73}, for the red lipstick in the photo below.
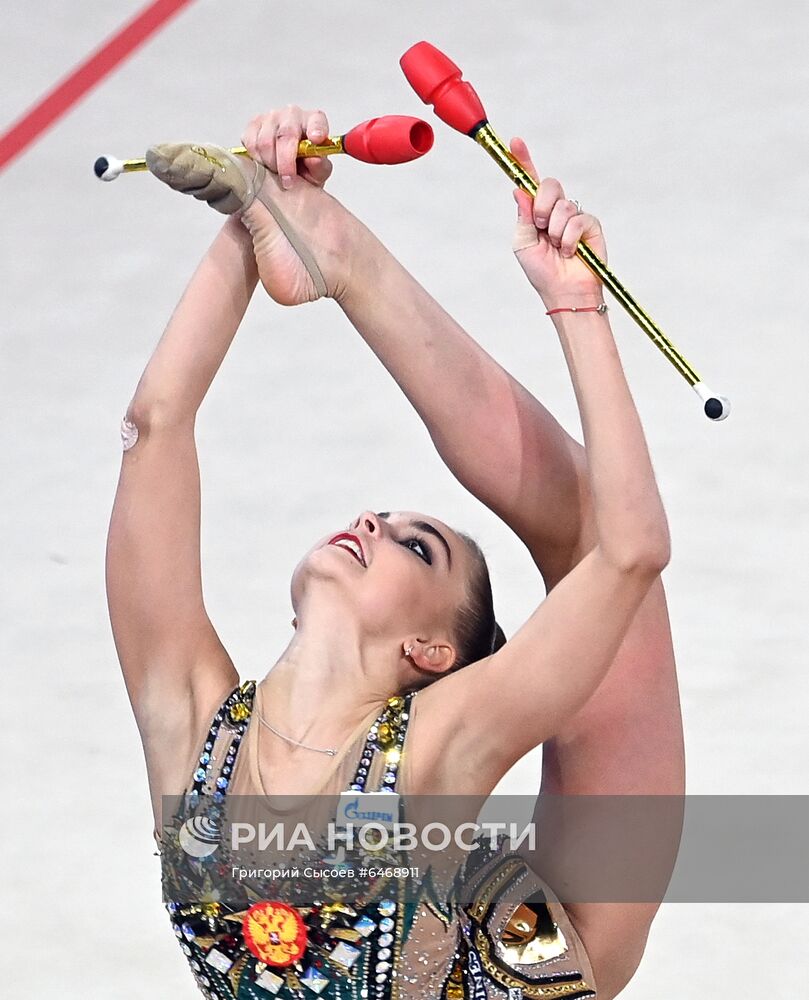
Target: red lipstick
{"x": 351, "y": 544}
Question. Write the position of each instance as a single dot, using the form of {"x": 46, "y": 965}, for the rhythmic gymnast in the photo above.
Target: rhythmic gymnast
{"x": 394, "y": 620}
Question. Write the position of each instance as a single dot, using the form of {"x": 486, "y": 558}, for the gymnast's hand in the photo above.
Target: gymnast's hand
{"x": 302, "y": 237}
{"x": 273, "y": 140}
{"x": 548, "y": 229}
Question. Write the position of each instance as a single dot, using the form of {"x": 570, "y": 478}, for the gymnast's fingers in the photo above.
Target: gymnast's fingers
{"x": 583, "y": 227}
{"x": 574, "y": 231}
{"x": 317, "y": 126}
{"x": 250, "y": 136}
{"x": 316, "y": 170}
{"x": 259, "y": 139}
{"x": 561, "y": 213}
{"x": 265, "y": 142}
{"x": 288, "y": 136}
{"x": 550, "y": 192}
{"x": 525, "y": 232}
{"x": 520, "y": 151}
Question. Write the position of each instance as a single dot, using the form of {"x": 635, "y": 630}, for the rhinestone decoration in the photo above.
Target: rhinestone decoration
{"x": 239, "y": 712}
{"x": 270, "y": 982}
{"x": 365, "y": 926}
{"x": 386, "y": 735}
{"x": 218, "y": 960}
{"x": 314, "y": 980}
{"x": 345, "y": 954}
{"x": 266, "y": 948}
{"x": 238, "y": 708}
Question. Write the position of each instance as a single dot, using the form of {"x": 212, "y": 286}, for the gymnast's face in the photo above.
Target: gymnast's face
{"x": 403, "y": 574}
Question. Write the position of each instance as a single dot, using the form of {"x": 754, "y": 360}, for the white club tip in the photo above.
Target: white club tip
{"x": 715, "y": 407}
{"x": 107, "y": 168}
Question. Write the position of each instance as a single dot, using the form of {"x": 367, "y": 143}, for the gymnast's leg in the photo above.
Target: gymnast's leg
{"x": 512, "y": 454}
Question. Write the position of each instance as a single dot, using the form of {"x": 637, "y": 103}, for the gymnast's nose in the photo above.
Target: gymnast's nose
{"x": 368, "y": 521}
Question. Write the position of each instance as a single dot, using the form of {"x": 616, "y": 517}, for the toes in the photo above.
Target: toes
{"x": 179, "y": 165}
{"x": 159, "y": 160}
{"x": 209, "y": 173}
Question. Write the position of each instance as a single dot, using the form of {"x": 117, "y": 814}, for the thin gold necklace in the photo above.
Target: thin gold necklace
{"x": 297, "y": 743}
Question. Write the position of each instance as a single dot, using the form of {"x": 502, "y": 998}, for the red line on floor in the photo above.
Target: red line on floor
{"x": 86, "y": 75}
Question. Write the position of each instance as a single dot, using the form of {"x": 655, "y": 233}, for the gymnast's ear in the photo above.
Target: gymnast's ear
{"x": 434, "y": 656}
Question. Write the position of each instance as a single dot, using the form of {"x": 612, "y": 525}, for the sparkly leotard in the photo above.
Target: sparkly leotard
{"x": 496, "y": 933}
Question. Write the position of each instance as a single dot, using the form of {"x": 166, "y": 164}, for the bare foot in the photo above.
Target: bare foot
{"x": 301, "y": 241}
{"x": 319, "y": 223}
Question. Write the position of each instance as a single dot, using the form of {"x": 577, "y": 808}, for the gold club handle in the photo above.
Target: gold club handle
{"x": 107, "y": 168}
{"x": 715, "y": 407}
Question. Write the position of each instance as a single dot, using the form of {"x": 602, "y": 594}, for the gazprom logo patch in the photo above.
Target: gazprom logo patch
{"x": 359, "y": 808}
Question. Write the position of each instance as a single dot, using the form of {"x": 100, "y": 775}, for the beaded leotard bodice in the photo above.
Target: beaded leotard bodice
{"x": 288, "y": 935}
{"x": 369, "y": 931}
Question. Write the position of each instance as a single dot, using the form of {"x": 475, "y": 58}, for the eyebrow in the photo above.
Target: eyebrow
{"x": 428, "y": 529}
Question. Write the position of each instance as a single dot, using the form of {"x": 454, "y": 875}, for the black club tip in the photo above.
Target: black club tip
{"x": 713, "y": 408}
{"x": 101, "y": 166}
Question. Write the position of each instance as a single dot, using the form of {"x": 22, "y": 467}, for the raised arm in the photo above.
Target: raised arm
{"x": 549, "y": 669}
{"x": 508, "y": 450}
{"x": 173, "y": 662}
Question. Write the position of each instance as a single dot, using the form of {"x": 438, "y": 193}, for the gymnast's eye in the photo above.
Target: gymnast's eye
{"x": 420, "y": 547}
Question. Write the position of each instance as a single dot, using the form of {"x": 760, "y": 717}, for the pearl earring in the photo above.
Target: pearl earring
{"x": 409, "y": 649}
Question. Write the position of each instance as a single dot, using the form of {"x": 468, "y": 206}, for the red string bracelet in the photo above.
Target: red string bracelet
{"x": 601, "y": 309}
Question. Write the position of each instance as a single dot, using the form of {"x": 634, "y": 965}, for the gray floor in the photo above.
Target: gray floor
{"x": 681, "y": 125}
